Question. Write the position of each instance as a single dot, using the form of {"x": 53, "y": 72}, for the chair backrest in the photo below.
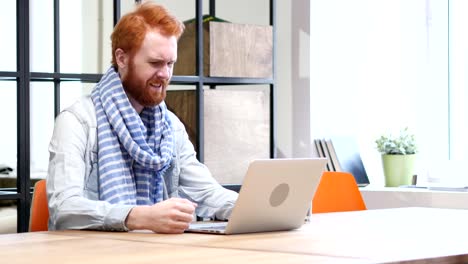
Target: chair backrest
{"x": 337, "y": 192}
{"x": 39, "y": 216}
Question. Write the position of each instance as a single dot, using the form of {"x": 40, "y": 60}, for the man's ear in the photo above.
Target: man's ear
{"x": 121, "y": 58}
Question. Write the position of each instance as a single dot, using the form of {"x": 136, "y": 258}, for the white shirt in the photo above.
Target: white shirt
{"x": 72, "y": 181}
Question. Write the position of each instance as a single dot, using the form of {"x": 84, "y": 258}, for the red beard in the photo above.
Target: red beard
{"x": 141, "y": 90}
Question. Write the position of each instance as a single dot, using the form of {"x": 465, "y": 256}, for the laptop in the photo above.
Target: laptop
{"x": 276, "y": 195}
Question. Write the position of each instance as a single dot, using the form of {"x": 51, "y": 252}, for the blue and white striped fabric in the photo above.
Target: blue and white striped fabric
{"x": 133, "y": 150}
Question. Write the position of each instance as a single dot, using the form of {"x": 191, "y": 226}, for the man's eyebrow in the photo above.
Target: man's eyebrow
{"x": 161, "y": 59}
{"x": 155, "y": 59}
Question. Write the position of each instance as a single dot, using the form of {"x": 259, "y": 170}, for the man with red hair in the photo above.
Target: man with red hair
{"x": 119, "y": 159}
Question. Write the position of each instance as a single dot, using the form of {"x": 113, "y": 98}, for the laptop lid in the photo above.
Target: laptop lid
{"x": 275, "y": 195}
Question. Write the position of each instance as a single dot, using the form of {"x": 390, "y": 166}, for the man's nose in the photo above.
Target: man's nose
{"x": 164, "y": 72}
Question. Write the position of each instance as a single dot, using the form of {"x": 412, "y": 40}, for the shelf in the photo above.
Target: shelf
{"x": 184, "y": 80}
{"x": 194, "y": 106}
{"x": 9, "y": 195}
{"x": 8, "y": 75}
{"x": 219, "y": 80}
{"x": 23, "y": 77}
{"x": 84, "y": 77}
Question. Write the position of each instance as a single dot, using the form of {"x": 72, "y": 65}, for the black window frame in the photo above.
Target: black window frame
{"x": 23, "y": 77}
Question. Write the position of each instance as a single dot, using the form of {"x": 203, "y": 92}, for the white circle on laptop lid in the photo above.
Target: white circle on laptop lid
{"x": 279, "y": 194}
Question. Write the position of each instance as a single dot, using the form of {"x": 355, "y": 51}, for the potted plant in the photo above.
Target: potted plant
{"x": 398, "y": 157}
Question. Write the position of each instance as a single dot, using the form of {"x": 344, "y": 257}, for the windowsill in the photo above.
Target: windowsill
{"x": 392, "y": 197}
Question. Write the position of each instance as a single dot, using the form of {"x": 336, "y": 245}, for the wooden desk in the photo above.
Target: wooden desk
{"x": 61, "y": 247}
{"x": 417, "y": 235}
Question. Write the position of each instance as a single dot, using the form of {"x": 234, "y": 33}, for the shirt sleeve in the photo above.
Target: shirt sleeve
{"x": 68, "y": 206}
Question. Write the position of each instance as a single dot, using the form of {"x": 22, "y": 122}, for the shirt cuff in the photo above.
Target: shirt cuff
{"x": 115, "y": 220}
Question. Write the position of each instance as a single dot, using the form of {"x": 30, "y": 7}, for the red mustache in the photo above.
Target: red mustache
{"x": 163, "y": 83}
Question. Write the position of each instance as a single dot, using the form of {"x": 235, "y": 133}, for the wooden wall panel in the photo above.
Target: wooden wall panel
{"x": 237, "y": 128}
{"x": 229, "y": 50}
{"x": 182, "y": 103}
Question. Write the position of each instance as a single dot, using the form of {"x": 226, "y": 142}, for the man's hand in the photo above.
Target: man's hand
{"x": 171, "y": 216}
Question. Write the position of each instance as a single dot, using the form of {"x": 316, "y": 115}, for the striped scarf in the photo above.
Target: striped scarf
{"x": 133, "y": 150}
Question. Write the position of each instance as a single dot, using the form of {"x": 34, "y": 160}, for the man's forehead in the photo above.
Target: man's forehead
{"x": 161, "y": 56}
{"x": 159, "y": 47}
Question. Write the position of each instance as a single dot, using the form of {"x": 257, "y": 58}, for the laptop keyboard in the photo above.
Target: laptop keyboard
{"x": 217, "y": 226}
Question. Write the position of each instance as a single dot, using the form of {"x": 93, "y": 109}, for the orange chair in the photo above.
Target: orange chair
{"x": 337, "y": 192}
{"x": 39, "y": 216}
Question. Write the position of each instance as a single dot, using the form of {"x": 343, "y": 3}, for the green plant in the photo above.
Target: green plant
{"x": 402, "y": 144}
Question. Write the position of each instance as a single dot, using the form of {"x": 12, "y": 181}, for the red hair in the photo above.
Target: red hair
{"x": 131, "y": 29}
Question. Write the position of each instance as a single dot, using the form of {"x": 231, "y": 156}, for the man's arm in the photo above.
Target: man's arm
{"x": 67, "y": 178}
{"x": 171, "y": 216}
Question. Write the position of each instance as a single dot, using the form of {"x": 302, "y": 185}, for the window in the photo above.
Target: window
{"x": 380, "y": 66}
{"x": 62, "y": 51}
{"x": 458, "y": 70}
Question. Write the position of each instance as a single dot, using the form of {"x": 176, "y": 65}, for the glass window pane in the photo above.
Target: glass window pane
{"x": 42, "y": 35}
{"x": 85, "y": 28}
{"x": 240, "y": 11}
{"x": 458, "y": 42}
{"x": 42, "y": 125}
{"x": 183, "y": 10}
{"x": 70, "y": 92}
{"x": 244, "y": 11}
{"x": 393, "y": 75}
{"x": 126, "y": 6}
{"x": 8, "y": 133}
{"x": 8, "y": 33}
{"x": 8, "y": 214}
